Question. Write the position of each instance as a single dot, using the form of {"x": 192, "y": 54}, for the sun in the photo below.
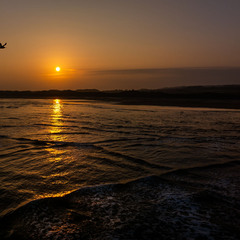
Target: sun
{"x": 58, "y": 69}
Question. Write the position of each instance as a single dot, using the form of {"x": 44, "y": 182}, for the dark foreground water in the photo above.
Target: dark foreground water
{"x": 91, "y": 170}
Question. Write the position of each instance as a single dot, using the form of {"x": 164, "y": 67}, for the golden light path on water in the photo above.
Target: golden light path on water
{"x": 56, "y": 129}
{"x": 56, "y": 119}
{"x": 56, "y": 154}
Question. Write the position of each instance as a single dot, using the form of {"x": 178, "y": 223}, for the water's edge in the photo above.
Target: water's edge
{"x": 146, "y": 207}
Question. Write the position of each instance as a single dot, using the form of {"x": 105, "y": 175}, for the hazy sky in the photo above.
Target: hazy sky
{"x": 112, "y": 44}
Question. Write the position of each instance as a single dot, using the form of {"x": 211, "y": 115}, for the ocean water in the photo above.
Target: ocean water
{"x": 93, "y": 170}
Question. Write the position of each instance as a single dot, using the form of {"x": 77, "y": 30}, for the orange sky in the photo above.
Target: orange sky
{"x": 90, "y": 40}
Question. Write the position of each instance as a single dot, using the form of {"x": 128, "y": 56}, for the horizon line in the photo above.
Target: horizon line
{"x": 139, "y": 89}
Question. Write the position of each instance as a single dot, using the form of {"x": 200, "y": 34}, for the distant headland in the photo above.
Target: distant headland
{"x": 224, "y": 96}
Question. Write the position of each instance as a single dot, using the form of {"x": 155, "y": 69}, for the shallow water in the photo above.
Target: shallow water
{"x": 49, "y": 148}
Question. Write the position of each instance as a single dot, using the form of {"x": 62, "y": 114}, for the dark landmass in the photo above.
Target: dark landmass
{"x": 224, "y": 96}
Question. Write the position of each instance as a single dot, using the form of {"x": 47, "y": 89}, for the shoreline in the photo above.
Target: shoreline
{"x": 193, "y": 104}
{"x": 225, "y": 96}
{"x": 163, "y": 102}
{"x": 145, "y": 208}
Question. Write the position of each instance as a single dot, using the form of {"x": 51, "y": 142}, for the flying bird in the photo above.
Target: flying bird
{"x": 3, "y": 46}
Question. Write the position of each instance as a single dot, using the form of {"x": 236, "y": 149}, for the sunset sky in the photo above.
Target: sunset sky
{"x": 113, "y": 44}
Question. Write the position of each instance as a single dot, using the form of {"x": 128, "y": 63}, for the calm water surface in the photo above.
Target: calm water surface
{"x": 53, "y": 147}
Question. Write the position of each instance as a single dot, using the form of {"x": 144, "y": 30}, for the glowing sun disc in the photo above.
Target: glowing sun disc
{"x": 58, "y": 69}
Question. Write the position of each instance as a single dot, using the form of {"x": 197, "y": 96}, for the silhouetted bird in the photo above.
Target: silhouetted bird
{"x": 3, "y": 46}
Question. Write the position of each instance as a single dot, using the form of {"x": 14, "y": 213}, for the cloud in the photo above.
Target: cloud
{"x": 160, "y": 71}
{"x": 167, "y": 77}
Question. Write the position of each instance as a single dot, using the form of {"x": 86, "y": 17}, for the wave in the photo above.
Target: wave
{"x": 135, "y": 160}
{"x": 4, "y": 136}
{"x": 105, "y": 130}
{"x": 208, "y": 167}
{"x": 11, "y": 106}
{"x": 53, "y": 125}
{"x": 59, "y": 143}
{"x": 51, "y": 143}
{"x": 110, "y": 162}
{"x": 12, "y": 118}
{"x": 124, "y": 139}
{"x": 145, "y": 208}
{"x": 8, "y": 126}
{"x": 94, "y": 145}
{"x": 67, "y": 133}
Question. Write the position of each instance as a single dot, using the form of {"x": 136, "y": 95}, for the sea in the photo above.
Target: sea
{"x": 82, "y": 169}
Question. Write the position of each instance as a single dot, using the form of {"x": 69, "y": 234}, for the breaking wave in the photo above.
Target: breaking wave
{"x": 146, "y": 208}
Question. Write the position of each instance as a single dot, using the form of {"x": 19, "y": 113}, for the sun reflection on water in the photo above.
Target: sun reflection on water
{"x": 56, "y": 118}
{"x": 55, "y": 130}
{"x": 57, "y": 101}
